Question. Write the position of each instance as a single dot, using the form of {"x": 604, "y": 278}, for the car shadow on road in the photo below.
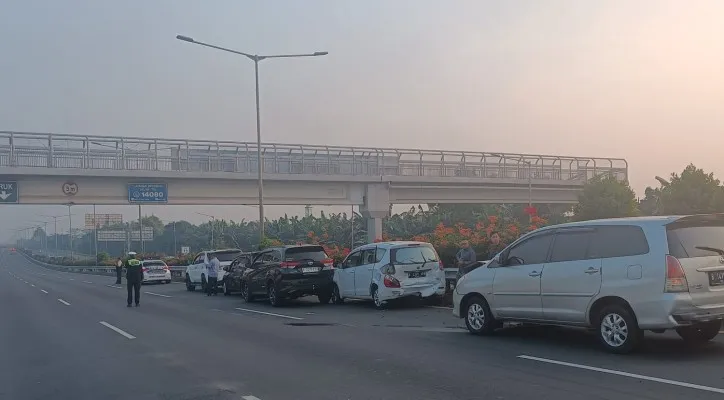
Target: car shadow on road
{"x": 664, "y": 347}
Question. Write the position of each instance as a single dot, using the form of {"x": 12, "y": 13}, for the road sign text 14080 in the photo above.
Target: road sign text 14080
{"x": 147, "y": 193}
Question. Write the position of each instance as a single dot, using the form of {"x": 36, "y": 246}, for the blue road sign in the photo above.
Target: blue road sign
{"x": 8, "y": 192}
{"x": 147, "y": 193}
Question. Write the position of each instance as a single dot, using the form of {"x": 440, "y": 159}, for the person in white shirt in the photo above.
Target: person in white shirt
{"x": 212, "y": 271}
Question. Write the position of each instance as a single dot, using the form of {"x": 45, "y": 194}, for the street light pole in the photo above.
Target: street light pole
{"x": 260, "y": 163}
{"x": 213, "y": 223}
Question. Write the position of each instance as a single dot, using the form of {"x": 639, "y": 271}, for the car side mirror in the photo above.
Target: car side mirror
{"x": 513, "y": 260}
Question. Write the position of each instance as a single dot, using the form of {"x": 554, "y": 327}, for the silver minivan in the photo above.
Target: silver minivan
{"x": 618, "y": 277}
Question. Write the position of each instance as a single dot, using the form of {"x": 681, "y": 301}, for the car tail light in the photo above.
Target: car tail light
{"x": 166, "y": 268}
{"x": 388, "y": 269}
{"x": 675, "y": 276}
{"x": 391, "y": 282}
{"x": 289, "y": 264}
{"x": 328, "y": 263}
{"x": 144, "y": 269}
{"x": 441, "y": 265}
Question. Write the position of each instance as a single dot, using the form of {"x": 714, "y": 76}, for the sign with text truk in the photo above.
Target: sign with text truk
{"x": 140, "y": 193}
{"x": 8, "y": 192}
{"x": 185, "y": 250}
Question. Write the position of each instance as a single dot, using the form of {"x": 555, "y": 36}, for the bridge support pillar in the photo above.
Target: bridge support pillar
{"x": 376, "y": 207}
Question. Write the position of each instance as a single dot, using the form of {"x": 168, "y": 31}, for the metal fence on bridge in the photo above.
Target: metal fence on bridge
{"x": 51, "y": 150}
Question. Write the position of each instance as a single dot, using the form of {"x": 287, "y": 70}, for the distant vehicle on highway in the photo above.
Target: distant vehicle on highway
{"x": 289, "y": 272}
{"x": 196, "y": 271}
{"x": 155, "y": 271}
{"x": 388, "y": 271}
{"x": 618, "y": 277}
{"x": 12, "y": 250}
{"x": 234, "y": 272}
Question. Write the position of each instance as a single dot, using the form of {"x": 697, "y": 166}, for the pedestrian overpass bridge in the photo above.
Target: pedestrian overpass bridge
{"x": 197, "y": 172}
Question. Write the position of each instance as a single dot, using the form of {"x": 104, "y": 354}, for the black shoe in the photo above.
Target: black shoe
{"x": 128, "y": 305}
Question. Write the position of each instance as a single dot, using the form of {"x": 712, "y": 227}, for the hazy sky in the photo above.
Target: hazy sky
{"x": 622, "y": 78}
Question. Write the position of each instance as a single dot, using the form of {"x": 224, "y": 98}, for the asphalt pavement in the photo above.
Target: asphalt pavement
{"x": 70, "y": 336}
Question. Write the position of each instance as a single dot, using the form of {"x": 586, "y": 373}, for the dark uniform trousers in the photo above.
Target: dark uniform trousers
{"x": 134, "y": 289}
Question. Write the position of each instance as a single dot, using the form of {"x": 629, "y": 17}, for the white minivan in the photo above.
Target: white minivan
{"x": 387, "y": 271}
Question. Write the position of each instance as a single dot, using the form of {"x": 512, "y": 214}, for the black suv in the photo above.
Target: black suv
{"x": 234, "y": 272}
{"x": 289, "y": 272}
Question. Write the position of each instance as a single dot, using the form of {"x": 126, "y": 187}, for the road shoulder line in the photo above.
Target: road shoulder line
{"x": 117, "y": 330}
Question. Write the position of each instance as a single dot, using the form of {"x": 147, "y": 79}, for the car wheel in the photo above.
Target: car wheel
{"x": 336, "y": 298}
{"x": 617, "y": 330}
{"x": 478, "y": 318}
{"x": 246, "y": 293}
{"x": 325, "y": 297}
{"x": 189, "y": 286}
{"x": 379, "y": 304}
{"x": 699, "y": 333}
{"x": 274, "y": 299}
{"x": 227, "y": 292}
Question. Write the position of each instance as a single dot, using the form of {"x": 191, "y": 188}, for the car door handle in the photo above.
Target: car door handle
{"x": 534, "y": 273}
{"x": 592, "y": 270}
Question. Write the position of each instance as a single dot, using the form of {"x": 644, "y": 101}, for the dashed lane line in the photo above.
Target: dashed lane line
{"x": 115, "y": 287}
{"x": 250, "y": 397}
{"x": 268, "y": 313}
{"x": 117, "y": 330}
{"x": 625, "y": 374}
{"x": 43, "y": 291}
{"x": 157, "y": 294}
{"x": 64, "y": 302}
{"x": 88, "y": 282}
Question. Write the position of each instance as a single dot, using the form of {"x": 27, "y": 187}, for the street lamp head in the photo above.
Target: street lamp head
{"x": 320, "y": 53}
{"x": 185, "y": 38}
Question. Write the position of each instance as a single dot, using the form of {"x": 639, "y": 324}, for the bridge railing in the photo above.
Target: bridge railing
{"x": 51, "y": 150}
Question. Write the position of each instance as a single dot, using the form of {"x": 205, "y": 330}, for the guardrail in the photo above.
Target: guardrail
{"x": 51, "y": 150}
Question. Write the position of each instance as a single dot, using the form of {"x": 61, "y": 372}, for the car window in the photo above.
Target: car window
{"x": 413, "y": 255}
{"x": 570, "y": 246}
{"x": 154, "y": 264}
{"x": 199, "y": 259}
{"x": 380, "y": 254}
{"x": 692, "y": 241}
{"x": 225, "y": 256}
{"x": 276, "y": 256}
{"x": 353, "y": 259}
{"x": 305, "y": 253}
{"x": 618, "y": 241}
{"x": 533, "y": 250}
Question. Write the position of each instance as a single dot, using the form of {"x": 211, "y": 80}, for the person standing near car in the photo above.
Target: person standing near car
{"x": 495, "y": 246}
{"x": 212, "y": 270}
{"x": 465, "y": 258}
{"x": 134, "y": 277}
{"x": 119, "y": 270}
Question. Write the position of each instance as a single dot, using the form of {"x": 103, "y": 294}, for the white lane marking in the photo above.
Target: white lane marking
{"x": 118, "y": 330}
{"x": 626, "y": 374}
{"x": 64, "y": 302}
{"x": 156, "y": 294}
{"x": 71, "y": 279}
{"x": 32, "y": 285}
{"x": 268, "y": 313}
{"x": 250, "y": 398}
{"x": 43, "y": 291}
{"x": 115, "y": 287}
{"x": 87, "y": 282}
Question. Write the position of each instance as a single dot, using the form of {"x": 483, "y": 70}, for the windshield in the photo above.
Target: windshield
{"x": 413, "y": 255}
{"x": 225, "y": 256}
{"x": 695, "y": 241}
{"x": 314, "y": 253}
{"x": 154, "y": 264}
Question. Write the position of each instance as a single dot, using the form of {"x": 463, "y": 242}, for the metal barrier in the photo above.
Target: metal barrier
{"x": 177, "y": 271}
{"x": 51, "y": 150}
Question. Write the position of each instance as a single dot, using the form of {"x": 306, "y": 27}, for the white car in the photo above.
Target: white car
{"x": 196, "y": 271}
{"x": 389, "y": 270}
{"x": 155, "y": 271}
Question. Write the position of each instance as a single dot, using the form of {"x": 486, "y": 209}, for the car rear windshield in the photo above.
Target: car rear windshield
{"x": 314, "y": 253}
{"x": 687, "y": 241}
{"x": 224, "y": 256}
{"x": 154, "y": 264}
{"x": 413, "y": 255}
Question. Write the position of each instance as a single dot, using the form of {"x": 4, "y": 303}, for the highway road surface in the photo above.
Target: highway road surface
{"x": 70, "y": 336}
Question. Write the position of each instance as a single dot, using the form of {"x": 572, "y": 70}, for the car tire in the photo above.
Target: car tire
{"x": 246, "y": 293}
{"x": 227, "y": 292}
{"x": 700, "y": 333}
{"x": 379, "y": 304}
{"x": 478, "y": 318}
{"x": 336, "y": 297}
{"x": 617, "y": 329}
{"x": 189, "y": 286}
{"x": 325, "y": 297}
{"x": 274, "y": 299}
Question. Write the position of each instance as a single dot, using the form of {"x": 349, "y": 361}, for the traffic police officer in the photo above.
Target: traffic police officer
{"x": 134, "y": 277}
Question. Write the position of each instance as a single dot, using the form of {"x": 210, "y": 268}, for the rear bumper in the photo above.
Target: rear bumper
{"x": 432, "y": 289}
{"x": 674, "y": 310}
{"x": 156, "y": 278}
{"x": 698, "y": 316}
{"x": 304, "y": 287}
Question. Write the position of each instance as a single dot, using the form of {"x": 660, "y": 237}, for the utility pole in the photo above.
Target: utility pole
{"x": 140, "y": 228}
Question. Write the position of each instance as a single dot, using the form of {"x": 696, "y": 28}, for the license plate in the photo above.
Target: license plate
{"x": 310, "y": 269}
{"x": 416, "y": 274}
{"x": 716, "y": 278}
